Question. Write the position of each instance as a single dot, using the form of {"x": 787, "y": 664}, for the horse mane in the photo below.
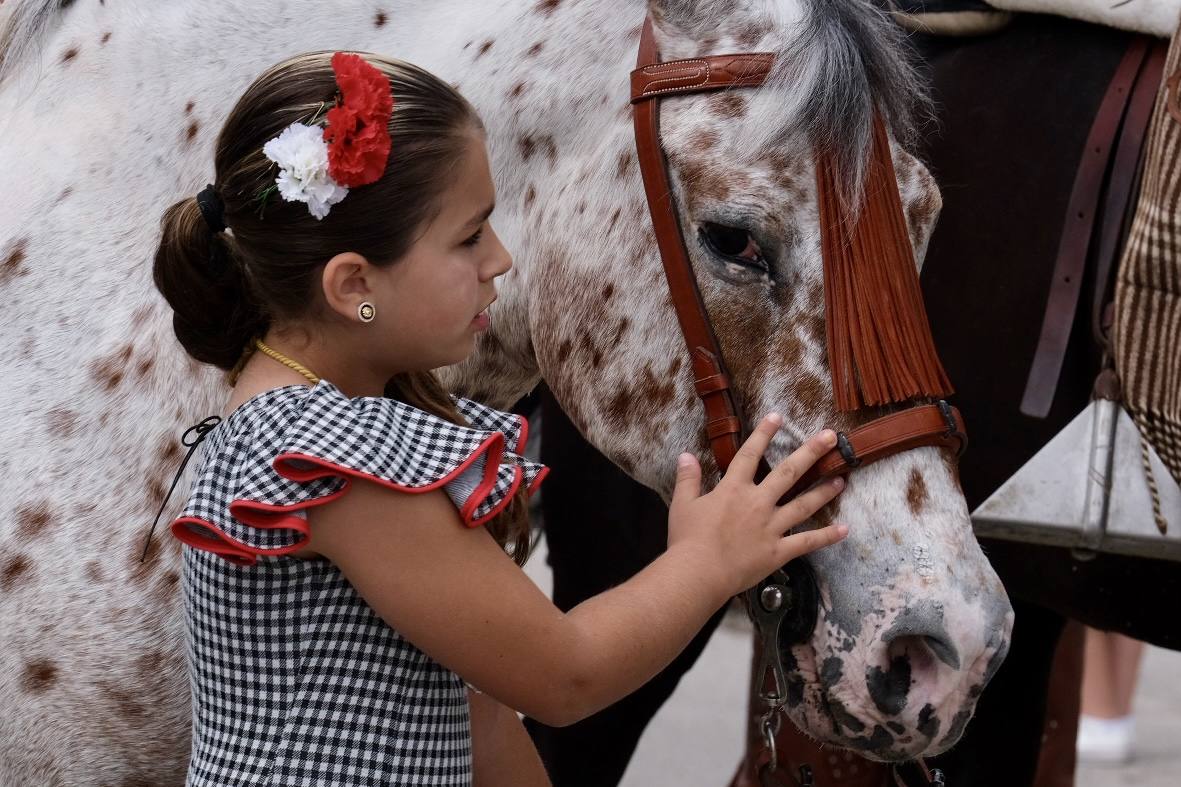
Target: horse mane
{"x": 848, "y": 60}
{"x": 22, "y": 29}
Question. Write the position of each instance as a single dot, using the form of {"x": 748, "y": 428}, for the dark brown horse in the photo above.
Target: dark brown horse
{"x": 1014, "y": 112}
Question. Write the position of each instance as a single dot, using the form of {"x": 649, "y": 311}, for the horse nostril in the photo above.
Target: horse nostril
{"x": 943, "y": 650}
{"x": 922, "y": 623}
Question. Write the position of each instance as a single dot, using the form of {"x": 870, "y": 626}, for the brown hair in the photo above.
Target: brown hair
{"x": 227, "y": 288}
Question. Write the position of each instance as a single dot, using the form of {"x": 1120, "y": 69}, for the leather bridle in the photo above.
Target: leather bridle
{"x": 937, "y": 424}
{"x": 925, "y": 425}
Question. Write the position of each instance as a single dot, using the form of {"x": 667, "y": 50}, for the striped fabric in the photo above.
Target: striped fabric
{"x": 1148, "y": 286}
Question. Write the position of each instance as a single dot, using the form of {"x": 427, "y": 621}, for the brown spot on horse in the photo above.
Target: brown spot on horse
{"x": 109, "y": 370}
{"x": 379, "y": 19}
{"x": 518, "y": 89}
{"x": 63, "y": 422}
{"x": 727, "y": 105}
{"x": 11, "y": 267}
{"x": 916, "y": 492}
{"x": 705, "y": 141}
{"x": 39, "y": 675}
{"x": 547, "y": 7}
{"x": 69, "y": 54}
{"x": 624, "y": 164}
{"x": 169, "y": 452}
{"x": 530, "y": 195}
{"x": 189, "y": 107}
{"x": 32, "y": 520}
{"x": 534, "y": 50}
{"x": 484, "y": 47}
{"x": 191, "y": 131}
{"x": 12, "y": 570}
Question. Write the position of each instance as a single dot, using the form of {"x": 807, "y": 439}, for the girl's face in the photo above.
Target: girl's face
{"x": 433, "y": 302}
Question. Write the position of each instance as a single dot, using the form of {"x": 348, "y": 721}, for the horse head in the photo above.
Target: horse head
{"x": 912, "y": 620}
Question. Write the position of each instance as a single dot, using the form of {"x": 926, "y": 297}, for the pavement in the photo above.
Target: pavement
{"x": 696, "y": 739}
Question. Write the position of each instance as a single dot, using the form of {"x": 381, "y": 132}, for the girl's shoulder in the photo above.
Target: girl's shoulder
{"x": 290, "y": 448}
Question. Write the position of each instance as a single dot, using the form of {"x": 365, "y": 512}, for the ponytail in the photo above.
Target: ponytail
{"x": 214, "y": 313}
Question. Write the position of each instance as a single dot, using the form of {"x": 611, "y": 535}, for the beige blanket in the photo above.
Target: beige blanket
{"x": 1148, "y": 286}
{"x": 1157, "y": 17}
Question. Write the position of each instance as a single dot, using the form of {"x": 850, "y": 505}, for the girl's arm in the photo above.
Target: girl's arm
{"x": 503, "y": 755}
{"x": 455, "y": 594}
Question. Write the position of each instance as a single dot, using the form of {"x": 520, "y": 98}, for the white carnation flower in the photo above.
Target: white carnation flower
{"x": 302, "y": 156}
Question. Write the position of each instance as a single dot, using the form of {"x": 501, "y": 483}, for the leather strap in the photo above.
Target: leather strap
{"x": 1119, "y": 204}
{"x": 650, "y": 80}
{"x": 697, "y": 75}
{"x": 1076, "y": 235}
{"x": 934, "y": 424}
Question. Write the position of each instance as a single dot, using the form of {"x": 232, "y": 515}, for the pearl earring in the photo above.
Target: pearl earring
{"x": 366, "y": 312}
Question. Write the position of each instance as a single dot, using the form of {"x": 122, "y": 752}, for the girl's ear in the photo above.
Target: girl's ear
{"x": 345, "y": 282}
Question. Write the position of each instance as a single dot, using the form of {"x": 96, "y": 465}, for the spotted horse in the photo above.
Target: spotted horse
{"x": 111, "y": 111}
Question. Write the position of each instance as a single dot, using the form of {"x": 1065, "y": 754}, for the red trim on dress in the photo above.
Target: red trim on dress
{"x": 492, "y": 448}
{"x": 523, "y": 437}
{"x": 263, "y": 515}
{"x": 230, "y": 548}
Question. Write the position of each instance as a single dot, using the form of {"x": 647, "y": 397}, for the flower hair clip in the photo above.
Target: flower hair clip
{"x": 317, "y": 165}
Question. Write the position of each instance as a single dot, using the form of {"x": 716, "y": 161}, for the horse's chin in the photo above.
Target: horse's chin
{"x": 874, "y": 743}
{"x": 839, "y": 714}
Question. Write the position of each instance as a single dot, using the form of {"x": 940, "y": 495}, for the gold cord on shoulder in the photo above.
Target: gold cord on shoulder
{"x": 283, "y": 359}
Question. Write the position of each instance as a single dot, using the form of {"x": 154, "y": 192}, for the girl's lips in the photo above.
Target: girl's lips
{"x": 482, "y": 321}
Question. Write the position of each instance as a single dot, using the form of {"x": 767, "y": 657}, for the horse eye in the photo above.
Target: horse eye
{"x": 733, "y": 244}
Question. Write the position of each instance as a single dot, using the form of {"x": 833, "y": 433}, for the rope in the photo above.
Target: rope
{"x": 1161, "y": 523}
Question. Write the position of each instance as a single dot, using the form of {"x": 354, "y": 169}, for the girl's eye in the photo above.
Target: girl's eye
{"x": 733, "y": 244}
{"x": 474, "y": 239}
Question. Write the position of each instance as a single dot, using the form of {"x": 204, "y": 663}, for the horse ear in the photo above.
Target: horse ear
{"x": 689, "y": 16}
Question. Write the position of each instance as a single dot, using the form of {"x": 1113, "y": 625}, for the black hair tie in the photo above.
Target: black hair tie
{"x": 212, "y": 208}
{"x": 196, "y": 434}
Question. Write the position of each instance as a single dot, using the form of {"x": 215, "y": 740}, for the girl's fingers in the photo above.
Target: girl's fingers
{"x": 746, "y": 461}
{"x": 798, "y": 544}
{"x": 785, "y": 474}
{"x": 801, "y": 508}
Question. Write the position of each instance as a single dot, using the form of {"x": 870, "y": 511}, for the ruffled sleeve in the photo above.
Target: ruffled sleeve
{"x": 261, "y": 473}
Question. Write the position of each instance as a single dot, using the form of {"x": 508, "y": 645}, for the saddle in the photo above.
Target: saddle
{"x": 1108, "y": 481}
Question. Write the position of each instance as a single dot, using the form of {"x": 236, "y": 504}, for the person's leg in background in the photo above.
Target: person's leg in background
{"x": 1111, "y": 667}
{"x": 601, "y": 527}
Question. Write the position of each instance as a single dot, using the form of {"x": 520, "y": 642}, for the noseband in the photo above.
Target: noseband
{"x": 938, "y": 424}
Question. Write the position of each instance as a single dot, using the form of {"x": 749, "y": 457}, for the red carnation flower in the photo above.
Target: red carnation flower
{"x": 357, "y": 133}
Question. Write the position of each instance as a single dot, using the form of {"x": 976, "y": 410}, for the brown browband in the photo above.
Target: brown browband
{"x": 937, "y": 425}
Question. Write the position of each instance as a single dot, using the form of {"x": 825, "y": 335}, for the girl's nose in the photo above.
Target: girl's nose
{"x": 499, "y": 260}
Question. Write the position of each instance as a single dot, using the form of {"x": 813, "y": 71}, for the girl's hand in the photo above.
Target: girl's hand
{"x": 738, "y": 529}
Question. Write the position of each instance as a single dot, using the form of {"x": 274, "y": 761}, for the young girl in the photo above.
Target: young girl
{"x": 354, "y": 535}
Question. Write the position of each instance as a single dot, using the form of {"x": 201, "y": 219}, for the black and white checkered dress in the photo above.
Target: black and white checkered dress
{"x": 295, "y": 679}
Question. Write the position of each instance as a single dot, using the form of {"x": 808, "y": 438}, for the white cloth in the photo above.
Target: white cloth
{"x": 1155, "y": 17}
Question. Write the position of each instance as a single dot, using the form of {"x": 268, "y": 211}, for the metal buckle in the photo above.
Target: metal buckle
{"x": 846, "y": 450}
{"x": 953, "y": 429}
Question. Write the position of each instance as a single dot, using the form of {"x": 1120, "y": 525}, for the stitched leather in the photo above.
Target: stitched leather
{"x": 700, "y": 74}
